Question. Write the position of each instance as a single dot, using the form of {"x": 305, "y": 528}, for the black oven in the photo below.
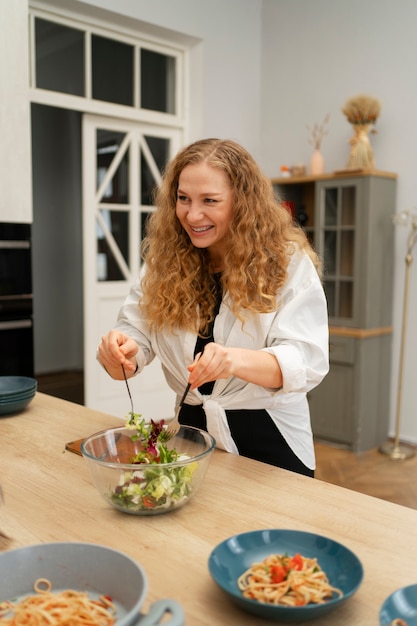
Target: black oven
{"x": 16, "y": 300}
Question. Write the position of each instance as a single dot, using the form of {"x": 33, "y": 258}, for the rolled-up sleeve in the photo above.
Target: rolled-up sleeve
{"x": 299, "y": 334}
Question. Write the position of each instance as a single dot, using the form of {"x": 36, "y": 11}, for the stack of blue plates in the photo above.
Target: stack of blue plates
{"x": 15, "y": 393}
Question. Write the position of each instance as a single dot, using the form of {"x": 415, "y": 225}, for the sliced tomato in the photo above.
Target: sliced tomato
{"x": 296, "y": 562}
{"x": 149, "y": 502}
{"x": 278, "y": 573}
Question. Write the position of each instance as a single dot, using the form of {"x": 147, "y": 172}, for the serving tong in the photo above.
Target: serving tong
{"x": 174, "y": 426}
{"x": 128, "y": 391}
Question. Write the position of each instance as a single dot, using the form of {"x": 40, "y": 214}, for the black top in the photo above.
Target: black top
{"x": 201, "y": 342}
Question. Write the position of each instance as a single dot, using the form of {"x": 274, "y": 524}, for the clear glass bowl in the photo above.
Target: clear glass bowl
{"x": 147, "y": 489}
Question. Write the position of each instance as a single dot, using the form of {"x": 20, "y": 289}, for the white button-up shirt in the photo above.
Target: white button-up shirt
{"x": 296, "y": 333}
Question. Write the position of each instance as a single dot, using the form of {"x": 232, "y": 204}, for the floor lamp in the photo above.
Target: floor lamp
{"x": 394, "y": 449}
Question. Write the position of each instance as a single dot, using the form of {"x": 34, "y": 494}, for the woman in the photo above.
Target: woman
{"x": 230, "y": 300}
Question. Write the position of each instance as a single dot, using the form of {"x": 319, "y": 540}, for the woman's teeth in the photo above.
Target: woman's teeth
{"x": 201, "y": 229}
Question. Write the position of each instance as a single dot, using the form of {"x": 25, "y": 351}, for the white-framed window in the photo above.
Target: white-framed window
{"x": 104, "y": 70}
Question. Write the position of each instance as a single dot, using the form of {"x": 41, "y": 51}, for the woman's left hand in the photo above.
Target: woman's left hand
{"x": 214, "y": 363}
{"x": 217, "y": 361}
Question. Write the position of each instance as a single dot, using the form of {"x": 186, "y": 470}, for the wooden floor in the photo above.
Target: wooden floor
{"x": 370, "y": 472}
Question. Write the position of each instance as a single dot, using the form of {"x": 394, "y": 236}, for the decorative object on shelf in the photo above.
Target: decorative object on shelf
{"x": 316, "y": 137}
{"x": 362, "y": 112}
{"x": 394, "y": 449}
{"x": 299, "y": 169}
{"x": 285, "y": 171}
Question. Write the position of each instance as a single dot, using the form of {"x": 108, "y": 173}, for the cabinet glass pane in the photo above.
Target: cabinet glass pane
{"x": 59, "y": 52}
{"x": 112, "y": 70}
{"x": 108, "y": 144}
{"x": 157, "y": 81}
{"x": 348, "y": 206}
{"x": 117, "y": 223}
{"x": 330, "y": 252}
{"x": 346, "y": 252}
{"x": 330, "y": 291}
{"x": 330, "y": 207}
{"x": 159, "y": 148}
{"x": 345, "y": 299}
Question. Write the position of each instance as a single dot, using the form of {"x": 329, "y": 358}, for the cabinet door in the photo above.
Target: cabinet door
{"x": 331, "y": 405}
{"x": 337, "y": 242}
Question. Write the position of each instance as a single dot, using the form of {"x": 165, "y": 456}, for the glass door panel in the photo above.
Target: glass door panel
{"x": 330, "y": 290}
{"x": 110, "y": 153}
{"x": 338, "y": 248}
{"x": 330, "y": 207}
{"x": 348, "y": 203}
{"x": 345, "y": 308}
{"x": 347, "y": 241}
{"x": 112, "y": 245}
{"x": 330, "y": 252}
{"x": 154, "y": 154}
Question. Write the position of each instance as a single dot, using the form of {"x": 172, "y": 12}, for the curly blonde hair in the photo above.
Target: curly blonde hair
{"x": 179, "y": 288}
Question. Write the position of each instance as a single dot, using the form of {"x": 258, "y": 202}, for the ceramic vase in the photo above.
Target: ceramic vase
{"x": 316, "y": 163}
{"x": 361, "y": 154}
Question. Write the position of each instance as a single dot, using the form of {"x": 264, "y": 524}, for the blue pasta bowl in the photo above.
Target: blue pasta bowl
{"x": 231, "y": 558}
{"x": 400, "y": 605}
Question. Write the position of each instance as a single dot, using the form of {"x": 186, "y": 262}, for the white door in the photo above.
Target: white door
{"x": 122, "y": 162}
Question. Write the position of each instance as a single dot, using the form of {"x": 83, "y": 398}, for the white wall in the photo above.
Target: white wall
{"x": 15, "y": 181}
{"x": 318, "y": 54}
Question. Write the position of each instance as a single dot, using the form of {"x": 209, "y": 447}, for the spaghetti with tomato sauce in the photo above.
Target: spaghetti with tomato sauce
{"x": 287, "y": 581}
{"x": 63, "y": 608}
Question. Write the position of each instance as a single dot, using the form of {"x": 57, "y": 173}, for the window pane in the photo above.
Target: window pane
{"x": 59, "y": 58}
{"x": 117, "y": 190}
{"x": 157, "y": 81}
{"x": 112, "y": 70}
{"x": 159, "y": 148}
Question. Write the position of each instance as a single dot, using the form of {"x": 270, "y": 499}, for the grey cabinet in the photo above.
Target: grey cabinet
{"x": 348, "y": 219}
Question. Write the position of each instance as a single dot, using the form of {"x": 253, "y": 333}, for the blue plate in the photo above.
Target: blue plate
{"x": 14, "y": 407}
{"x": 11, "y": 385}
{"x": 235, "y": 555}
{"x": 401, "y": 604}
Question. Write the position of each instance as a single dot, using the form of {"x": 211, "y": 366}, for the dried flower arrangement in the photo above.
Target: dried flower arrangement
{"x": 362, "y": 110}
{"x": 318, "y": 132}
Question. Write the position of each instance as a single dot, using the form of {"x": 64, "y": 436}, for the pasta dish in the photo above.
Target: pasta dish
{"x": 64, "y": 608}
{"x": 287, "y": 581}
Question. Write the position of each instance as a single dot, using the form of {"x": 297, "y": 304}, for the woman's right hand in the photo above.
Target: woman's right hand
{"x": 117, "y": 349}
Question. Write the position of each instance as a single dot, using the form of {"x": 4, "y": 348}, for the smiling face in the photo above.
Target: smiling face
{"x": 205, "y": 208}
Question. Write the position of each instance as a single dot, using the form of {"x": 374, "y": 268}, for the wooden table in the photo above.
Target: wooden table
{"x": 50, "y": 497}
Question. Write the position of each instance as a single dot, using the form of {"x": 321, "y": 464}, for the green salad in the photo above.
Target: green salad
{"x": 152, "y": 487}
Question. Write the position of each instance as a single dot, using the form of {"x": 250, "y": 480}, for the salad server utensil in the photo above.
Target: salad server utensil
{"x": 174, "y": 426}
{"x": 128, "y": 390}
